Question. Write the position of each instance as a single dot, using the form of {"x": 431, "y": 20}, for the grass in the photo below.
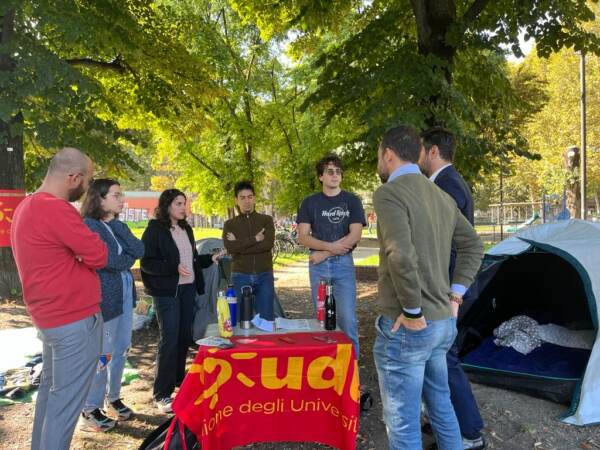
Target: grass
{"x": 372, "y": 260}
{"x": 282, "y": 260}
{"x": 199, "y": 233}
{"x": 487, "y": 246}
{"x": 288, "y": 260}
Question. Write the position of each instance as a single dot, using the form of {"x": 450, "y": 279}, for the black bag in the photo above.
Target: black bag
{"x": 171, "y": 435}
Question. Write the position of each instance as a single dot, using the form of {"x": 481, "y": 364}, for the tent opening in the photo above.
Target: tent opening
{"x": 544, "y": 287}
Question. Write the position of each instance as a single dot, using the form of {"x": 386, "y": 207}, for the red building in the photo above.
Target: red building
{"x": 139, "y": 206}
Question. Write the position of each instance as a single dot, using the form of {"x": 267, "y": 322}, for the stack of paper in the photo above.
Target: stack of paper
{"x": 292, "y": 324}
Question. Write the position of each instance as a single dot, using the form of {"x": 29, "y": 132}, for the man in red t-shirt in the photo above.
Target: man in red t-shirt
{"x": 57, "y": 256}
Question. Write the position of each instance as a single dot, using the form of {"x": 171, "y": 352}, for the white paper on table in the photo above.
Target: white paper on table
{"x": 292, "y": 324}
{"x": 263, "y": 324}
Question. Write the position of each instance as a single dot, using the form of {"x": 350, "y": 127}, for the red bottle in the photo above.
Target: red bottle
{"x": 321, "y": 293}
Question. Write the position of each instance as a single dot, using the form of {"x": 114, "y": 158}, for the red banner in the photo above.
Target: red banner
{"x": 273, "y": 388}
{"x": 9, "y": 200}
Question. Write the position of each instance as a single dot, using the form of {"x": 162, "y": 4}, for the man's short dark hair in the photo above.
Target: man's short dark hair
{"x": 443, "y": 138}
{"x": 404, "y": 141}
{"x": 325, "y": 161}
{"x": 243, "y": 186}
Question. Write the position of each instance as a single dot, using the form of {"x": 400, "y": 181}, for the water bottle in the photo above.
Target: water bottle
{"x": 232, "y": 302}
{"x": 246, "y": 308}
{"x": 330, "y": 309}
{"x": 223, "y": 317}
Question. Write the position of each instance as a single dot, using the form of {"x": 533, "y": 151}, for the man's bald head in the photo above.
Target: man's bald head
{"x": 69, "y": 161}
{"x": 69, "y": 174}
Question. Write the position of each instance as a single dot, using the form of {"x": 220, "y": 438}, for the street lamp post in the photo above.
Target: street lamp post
{"x": 583, "y": 167}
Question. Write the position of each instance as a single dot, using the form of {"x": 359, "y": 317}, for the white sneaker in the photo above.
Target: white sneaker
{"x": 164, "y": 405}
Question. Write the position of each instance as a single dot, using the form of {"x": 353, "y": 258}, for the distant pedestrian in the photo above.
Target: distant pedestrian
{"x": 371, "y": 221}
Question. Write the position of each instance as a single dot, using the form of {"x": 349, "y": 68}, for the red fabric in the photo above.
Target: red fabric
{"x": 9, "y": 199}
{"x": 170, "y": 431}
{"x": 47, "y": 235}
{"x": 270, "y": 390}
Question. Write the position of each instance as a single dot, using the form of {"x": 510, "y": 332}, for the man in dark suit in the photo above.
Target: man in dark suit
{"x": 436, "y": 163}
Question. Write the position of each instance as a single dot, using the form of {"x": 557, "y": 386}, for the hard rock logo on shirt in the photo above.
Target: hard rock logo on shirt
{"x": 336, "y": 214}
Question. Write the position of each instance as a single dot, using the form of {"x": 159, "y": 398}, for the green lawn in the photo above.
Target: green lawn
{"x": 372, "y": 260}
{"x": 288, "y": 260}
{"x": 282, "y": 260}
{"x": 199, "y": 233}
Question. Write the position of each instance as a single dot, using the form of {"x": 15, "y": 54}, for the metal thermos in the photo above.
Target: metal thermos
{"x": 246, "y": 307}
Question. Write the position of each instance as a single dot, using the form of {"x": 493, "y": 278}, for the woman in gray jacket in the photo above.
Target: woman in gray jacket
{"x": 100, "y": 210}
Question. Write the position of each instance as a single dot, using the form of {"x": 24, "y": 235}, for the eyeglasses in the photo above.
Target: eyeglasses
{"x": 333, "y": 171}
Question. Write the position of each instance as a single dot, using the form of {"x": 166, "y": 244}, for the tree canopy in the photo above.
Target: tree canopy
{"x": 426, "y": 63}
{"x": 203, "y": 93}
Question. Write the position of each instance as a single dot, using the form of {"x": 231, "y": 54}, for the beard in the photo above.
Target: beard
{"x": 76, "y": 193}
{"x": 383, "y": 176}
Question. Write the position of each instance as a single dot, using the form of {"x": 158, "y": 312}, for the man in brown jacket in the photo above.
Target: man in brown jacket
{"x": 417, "y": 223}
{"x": 249, "y": 238}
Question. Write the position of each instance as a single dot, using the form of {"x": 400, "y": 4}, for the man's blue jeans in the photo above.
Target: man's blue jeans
{"x": 411, "y": 366}
{"x": 339, "y": 270}
{"x": 263, "y": 288}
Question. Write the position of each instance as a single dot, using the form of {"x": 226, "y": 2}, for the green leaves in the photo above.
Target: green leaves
{"x": 85, "y": 72}
{"x": 386, "y": 63}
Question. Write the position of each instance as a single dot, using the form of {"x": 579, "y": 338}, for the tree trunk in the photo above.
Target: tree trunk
{"x": 12, "y": 180}
{"x": 439, "y": 33}
{"x": 434, "y": 19}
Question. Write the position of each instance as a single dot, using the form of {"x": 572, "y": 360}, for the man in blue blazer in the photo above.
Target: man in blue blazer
{"x": 436, "y": 163}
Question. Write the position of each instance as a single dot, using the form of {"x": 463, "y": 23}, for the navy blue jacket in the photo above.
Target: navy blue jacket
{"x": 451, "y": 182}
{"x": 111, "y": 283}
{"x": 160, "y": 262}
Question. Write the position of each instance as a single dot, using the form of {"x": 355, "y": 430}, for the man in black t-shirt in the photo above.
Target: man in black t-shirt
{"x": 330, "y": 224}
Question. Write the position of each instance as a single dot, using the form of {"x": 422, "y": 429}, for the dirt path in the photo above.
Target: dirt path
{"x": 514, "y": 421}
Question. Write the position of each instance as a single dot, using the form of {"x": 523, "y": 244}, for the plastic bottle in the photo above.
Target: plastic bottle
{"x": 232, "y": 302}
{"x": 225, "y": 329}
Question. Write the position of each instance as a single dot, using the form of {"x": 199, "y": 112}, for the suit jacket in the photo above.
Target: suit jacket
{"x": 451, "y": 182}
